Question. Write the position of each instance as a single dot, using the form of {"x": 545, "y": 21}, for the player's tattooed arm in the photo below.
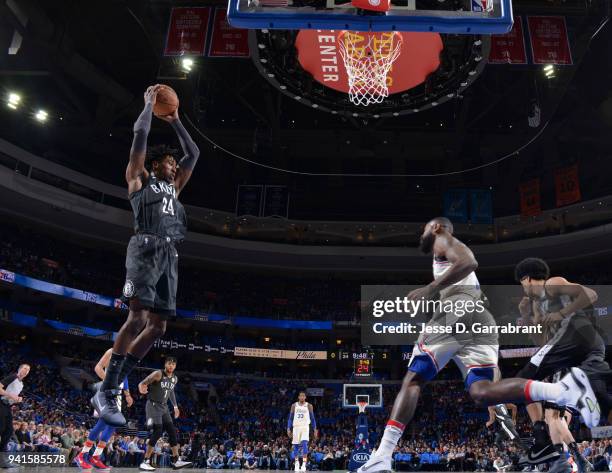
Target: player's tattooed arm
{"x": 581, "y": 297}
{"x": 143, "y": 386}
{"x": 136, "y": 166}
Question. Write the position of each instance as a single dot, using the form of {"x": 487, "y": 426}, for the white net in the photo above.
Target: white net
{"x": 368, "y": 58}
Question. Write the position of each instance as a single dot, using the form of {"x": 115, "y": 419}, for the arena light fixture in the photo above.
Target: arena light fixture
{"x": 41, "y": 116}
{"x": 13, "y": 100}
{"x": 186, "y": 64}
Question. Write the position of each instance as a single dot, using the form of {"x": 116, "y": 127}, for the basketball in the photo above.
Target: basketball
{"x": 167, "y": 101}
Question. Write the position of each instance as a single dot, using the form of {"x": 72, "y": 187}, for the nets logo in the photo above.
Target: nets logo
{"x": 361, "y": 457}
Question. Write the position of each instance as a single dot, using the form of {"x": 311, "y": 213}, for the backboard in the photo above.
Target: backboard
{"x": 353, "y": 393}
{"x": 444, "y": 16}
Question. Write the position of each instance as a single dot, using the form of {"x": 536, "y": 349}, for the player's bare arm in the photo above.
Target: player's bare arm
{"x": 128, "y": 397}
{"x": 172, "y": 397}
{"x": 463, "y": 263}
{"x": 135, "y": 170}
{"x": 143, "y": 386}
{"x": 102, "y": 363}
{"x": 513, "y": 411}
{"x": 581, "y": 297}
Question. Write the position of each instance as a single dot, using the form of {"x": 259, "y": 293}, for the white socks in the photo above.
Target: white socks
{"x": 539, "y": 391}
{"x": 393, "y": 433}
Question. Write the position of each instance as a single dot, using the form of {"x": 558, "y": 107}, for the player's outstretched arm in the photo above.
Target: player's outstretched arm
{"x": 136, "y": 166}
{"x": 581, "y": 297}
{"x": 143, "y": 386}
{"x": 191, "y": 152}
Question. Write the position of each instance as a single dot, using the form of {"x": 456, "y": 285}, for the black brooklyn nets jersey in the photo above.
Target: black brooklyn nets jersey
{"x": 160, "y": 390}
{"x": 158, "y": 211}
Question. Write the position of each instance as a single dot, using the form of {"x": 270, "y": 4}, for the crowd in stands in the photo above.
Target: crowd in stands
{"x": 244, "y": 425}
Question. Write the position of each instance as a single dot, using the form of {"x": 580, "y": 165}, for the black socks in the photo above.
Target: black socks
{"x": 112, "y": 372}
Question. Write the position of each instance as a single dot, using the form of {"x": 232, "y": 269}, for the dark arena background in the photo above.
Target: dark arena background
{"x": 300, "y": 203}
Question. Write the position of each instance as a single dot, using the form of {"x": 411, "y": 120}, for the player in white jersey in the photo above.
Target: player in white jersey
{"x": 474, "y": 353}
{"x": 298, "y": 429}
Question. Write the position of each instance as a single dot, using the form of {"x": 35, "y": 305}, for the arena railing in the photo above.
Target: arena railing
{"x": 582, "y": 215}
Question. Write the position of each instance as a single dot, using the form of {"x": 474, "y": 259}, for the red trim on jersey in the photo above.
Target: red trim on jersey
{"x": 528, "y": 399}
{"x": 396, "y": 424}
{"x": 490, "y": 365}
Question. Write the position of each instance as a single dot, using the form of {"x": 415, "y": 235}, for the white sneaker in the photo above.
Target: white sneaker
{"x": 578, "y": 394}
{"x": 144, "y": 466}
{"x": 297, "y": 466}
{"x": 376, "y": 463}
{"x": 180, "y": 464}
{"x": 303, "y": 466}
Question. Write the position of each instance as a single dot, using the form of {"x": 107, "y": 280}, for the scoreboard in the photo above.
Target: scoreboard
{"x": 363, "y": 368}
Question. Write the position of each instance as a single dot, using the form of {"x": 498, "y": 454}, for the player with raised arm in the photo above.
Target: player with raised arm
{"x": 154, "y": 180}
{"x": 301, "y": 416}
{"x": 570, "y": 339}
{"x": 476, "y": 355}
{"x": 101, "y": 433}
{"x": 159, "y": 388}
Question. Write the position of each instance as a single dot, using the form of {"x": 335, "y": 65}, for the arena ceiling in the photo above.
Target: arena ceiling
{"x": 87, "y": 63}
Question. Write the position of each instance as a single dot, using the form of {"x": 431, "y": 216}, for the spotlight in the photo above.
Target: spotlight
{"x": 41, "y": 116}
{"x": 13, "y": 100}
{"x": 548, "y": 67}
{"x": 186, "y": 64}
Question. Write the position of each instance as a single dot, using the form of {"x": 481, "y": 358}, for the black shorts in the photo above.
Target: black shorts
{"x": 575, "y": 344}
{"x": 157, "y": 414}
{"x": 151, "y": 265}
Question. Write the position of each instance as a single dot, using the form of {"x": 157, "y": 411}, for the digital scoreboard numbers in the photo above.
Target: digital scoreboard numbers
{"x": 363, "y": 368}
{"x": 363, "y": 363}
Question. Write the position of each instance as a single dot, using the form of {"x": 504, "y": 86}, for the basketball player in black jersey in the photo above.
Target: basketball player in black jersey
{"x": 570, "y": 339}
{"x": 159, "y": 388}
{"x": 154, "y": 181}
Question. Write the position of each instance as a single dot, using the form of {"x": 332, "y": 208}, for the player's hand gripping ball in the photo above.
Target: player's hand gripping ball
{"x": 166, "y": 103}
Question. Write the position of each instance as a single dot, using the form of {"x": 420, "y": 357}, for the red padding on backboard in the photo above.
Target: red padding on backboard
{"x": 374, "y": 5}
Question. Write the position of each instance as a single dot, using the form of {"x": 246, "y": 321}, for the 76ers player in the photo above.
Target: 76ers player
{"x": 300, "y": 418}
{"x": 154, "y": 180}
{"x": 475, "y": 355}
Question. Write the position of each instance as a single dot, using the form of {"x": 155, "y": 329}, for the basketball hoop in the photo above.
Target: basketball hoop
{"x": 362, "y": 406}
{"x": 367, "y": 58}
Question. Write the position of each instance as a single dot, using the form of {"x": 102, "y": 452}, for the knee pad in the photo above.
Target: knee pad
{"x": 424, "y": 366}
